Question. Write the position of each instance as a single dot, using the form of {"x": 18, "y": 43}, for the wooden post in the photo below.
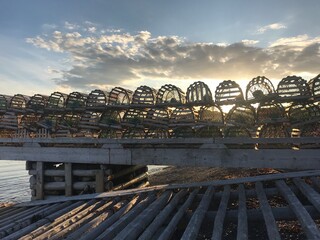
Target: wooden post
{"x": 68, "y": 178}
{"x": 40, "y": 181}
{"x": 100, "y": 181}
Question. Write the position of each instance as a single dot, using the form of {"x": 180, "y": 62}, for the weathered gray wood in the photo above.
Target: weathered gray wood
{"x": 26, "y": 220}
{"x": 105, "y": 207}
{"x": 98, "y": 226}
{"x": 309, "y": 192}
{"x": 100, "y": 181}
{"x": 193, "y": 227}
{"x": 271, "y": 225}
{"x": 219, "y": 220}
{"x": 242, "y": 229}
{"x": 51, "y": 215}
{"x": 303, "y": 216}
{"x": 131, "y": 182}
{"x": 159, "y": 220}
{"x": 56, "y": 220}
{"x": 169, "y": 230}
{"x": 40, "y": 181}
{"x": 116, "y": 228}
{"x": 64, "y": 225}
{"x": 268, "y": 177}
{"x": 209, "y": 156}
{"x": 135, "y": 228}
{"x": 316, "y": 183}
{"x": 68, "y": 179}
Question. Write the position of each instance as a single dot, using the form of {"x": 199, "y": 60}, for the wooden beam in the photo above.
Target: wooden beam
{"x": 306, "y": 221}
{"x": 40, "y": 181}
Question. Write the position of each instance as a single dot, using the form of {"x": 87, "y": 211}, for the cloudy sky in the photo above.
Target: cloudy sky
{"x": 81, "y": 45}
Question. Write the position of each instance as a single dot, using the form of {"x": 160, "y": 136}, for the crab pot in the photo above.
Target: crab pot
{"x": 9, "y": 121}
{"x": 18, "y": 102}
{"x": 211, "y": 114}
{"x": 157, "y": 118}
{"x": 270, "y": 112}
{"x": 302, "y": 113}
{"x": 228, "y": 92}
{"x": 144, "y": 95}
{"x": 182, "y": 116}
{"x": 50, "y": 122}
{"x": 29, "y": 122}
{"x": 259, "y": 88}
{"x": 76, "y": 100}
{"x": 242, "y": 115}
{"x": 111, "y": 119}
{"x": 158, "y": 133}
{"x": 89, "y": 123}
{"x": 70, "y": 121}
{"x": 57, "y": 100}
{"x": 183, "y": 132}
{"x": 293, "y": 87}
{"x": 134, "y": 117}
{"x": 314, "y": 85}
{"x": 209, "y": 131}
{"x": 274, "y": 130}
{"x": 97, "y": 98}
{"x": 119, "y": 95}
{"x": 199, "y": 92}
{"x": 134, "y": 133}
{"x": 111, "y": 133}
{"x": 170, "y": 94}
{"x": 4, "y": 103}
{"x": 238, "y": 132}
{"x": 38, "y": 102}
{"x": 49, "y": 180}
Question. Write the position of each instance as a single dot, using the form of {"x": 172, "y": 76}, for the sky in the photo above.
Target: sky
{"x": 81, "y": 45}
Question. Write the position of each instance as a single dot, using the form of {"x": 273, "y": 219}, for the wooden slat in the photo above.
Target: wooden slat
{"x": 116, "y": 228}
{"x": 68, "y": 179}
{"x": 270, "y": 222}
{"x": 242, "y": 229}
{"x": 172, "y": 225}
{"x": 40, "y": 181}
{"x": 219, "y": 219}
{"x": 309, "y": 192}
{"x": 194, "y": 225}
{"x": 136, "y": 227}
{"x": 303, "y": 216}
{"x": 164, "y": 214}
{"x": 269, "y": 177}
{"x": 98, "y": 226}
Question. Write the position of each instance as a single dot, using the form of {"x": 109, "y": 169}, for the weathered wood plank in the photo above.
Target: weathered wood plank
{"x": 164, "y": 214}
{"x": 40, "y": 181}
{"x": 68, "y": 179}
{"x": 194, "y": 225}
{"x": 303, "y": 216}
{"x": 220, "y": 217}
{"x": 269, "y": 177}
{"x": 309, "y": 192}
{"x": 169, "y": 230}
{"x": 271, "y": 225}
{"x": 242, "y": 229}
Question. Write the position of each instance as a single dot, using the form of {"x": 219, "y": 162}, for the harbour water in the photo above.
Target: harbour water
{"x": 14, "y": 182}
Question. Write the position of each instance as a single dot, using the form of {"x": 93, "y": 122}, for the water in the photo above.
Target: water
{"x": 14, "y": 182}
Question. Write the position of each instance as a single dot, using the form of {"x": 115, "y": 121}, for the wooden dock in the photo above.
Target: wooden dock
{"x": 263, "y": 207}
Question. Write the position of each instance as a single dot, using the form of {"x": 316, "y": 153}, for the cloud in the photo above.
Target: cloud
{"x": 273, "y": 26}
{"x": 122, "y": 59}
{"x": 249, "y": 42}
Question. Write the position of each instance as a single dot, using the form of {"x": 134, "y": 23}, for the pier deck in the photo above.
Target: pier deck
{"x": 268, "y": 206}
